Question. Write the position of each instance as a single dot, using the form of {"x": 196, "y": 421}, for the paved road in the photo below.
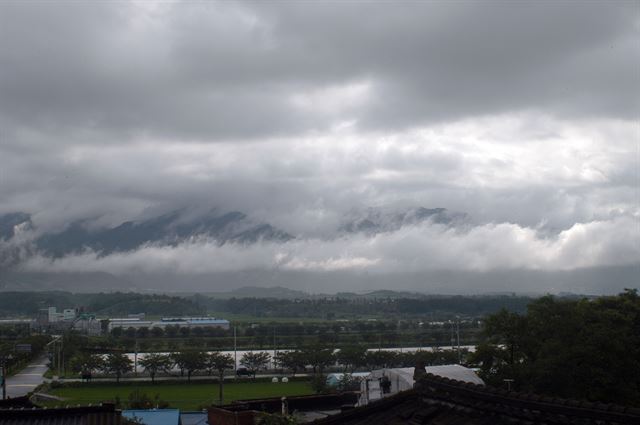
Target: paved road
{"x": 147, "y": 379}
{"x": 27, "y": 379}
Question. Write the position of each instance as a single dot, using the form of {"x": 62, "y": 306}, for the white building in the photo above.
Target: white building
{"x": 68, "y": 314}
{"x": 181, "y": 322}
{"x": 89, "y": 326}
{"x": 401, "y": 379}
{"x": 53, "y": 316}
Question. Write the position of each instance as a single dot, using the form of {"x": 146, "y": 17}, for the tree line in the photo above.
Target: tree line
{"x": 379, "y": 333}
{"x": 315, "y": 360}
{"x": 441, "y": 307}
{"x": 18, "y": 303}
{"x": 585, "y": 349}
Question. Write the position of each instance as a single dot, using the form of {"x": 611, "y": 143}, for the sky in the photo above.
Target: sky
{"x": 522, "y": 115}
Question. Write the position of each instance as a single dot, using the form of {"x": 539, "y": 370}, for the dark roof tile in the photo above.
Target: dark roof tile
{"x": 442, "y": 401}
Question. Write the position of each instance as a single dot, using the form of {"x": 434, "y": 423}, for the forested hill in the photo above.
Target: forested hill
{"x": 121, "y": 303}
{"x": 336, "y": 307}
{"x": 112, "y": 304}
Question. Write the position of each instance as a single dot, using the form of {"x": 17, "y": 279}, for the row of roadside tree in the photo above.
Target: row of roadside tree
{"x": 314, "y": 359}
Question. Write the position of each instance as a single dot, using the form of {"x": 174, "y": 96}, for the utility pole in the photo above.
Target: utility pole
{"x": 458, "y": 336}
{"x": 52, "y": 352}
{"x": 453, "y": 339}
{"x": 135, "y": 359}
{"x": 62, "y": 354}
{"x": 274, "y": 348}
{"x": 4, "y": 377}
{"x": 235, "y": 349}
{"x": 58, "y": 346}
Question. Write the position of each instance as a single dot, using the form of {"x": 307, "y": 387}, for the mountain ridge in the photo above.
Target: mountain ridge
{"x": 167, "y": 229}
{"x": 178, "y": 226}
{"x": 379, "y": 220}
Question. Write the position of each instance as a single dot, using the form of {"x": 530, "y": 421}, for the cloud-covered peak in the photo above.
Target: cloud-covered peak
{"x": 377, "y": 220}
{"x": 169, "y": 229}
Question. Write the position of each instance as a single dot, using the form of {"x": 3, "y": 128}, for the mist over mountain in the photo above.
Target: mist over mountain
{"x": 167, "y": 229}
{"x": 16, "y": 280}
{"x": 415, "y": 249}
{"x": 11, "y": 222}
{"x": 377, "y": 220}
{"x": 176, "y": 227}
{"x": 261, "y": 292}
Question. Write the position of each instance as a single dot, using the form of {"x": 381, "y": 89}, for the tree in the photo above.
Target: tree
{"x": 189, "y": 360}
{"x": 157, "y": 332}
{"x": 319, "y": 383}
{"x": 348, "y": 382}
{"x": 154, "y": 363}
{"x": 510, "y": 329}
{"x": 351, "y": 357}
{"x": 138, "y": 400}
{"x": 319, "y": 358}
{"x": 86, "y": 363}
{"x": 584, "y": 348}
{"x": 255, "y": 361}
{"x": 117, "y": 364}
{"x": 220, "y": 362}
{"x": 276, "y": 419}
{"x": 380, "y": 359}
{"x": 142, "y": 332}
{"x": 433, "y": 357}
{"x": 292, "y": 360}
{"x": 171, "y": 331}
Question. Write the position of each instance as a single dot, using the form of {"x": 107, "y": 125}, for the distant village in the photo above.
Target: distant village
{"x": 166, "y": 369}
{"x": 50, "y": 320}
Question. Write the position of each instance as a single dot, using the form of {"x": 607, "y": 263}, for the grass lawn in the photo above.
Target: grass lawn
{"x": 184, "y": 396}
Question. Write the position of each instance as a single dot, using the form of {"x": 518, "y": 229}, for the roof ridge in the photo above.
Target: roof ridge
{"x": 529, "y": 400}
{"x": 72, "y": 410}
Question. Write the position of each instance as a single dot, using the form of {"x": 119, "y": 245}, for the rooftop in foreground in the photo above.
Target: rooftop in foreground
{"x": 442, "y": 401}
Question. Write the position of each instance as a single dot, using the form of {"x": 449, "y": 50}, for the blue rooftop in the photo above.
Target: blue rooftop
{"x": 154, "y": 416}
{"x": 194, "y": 418}
{"x": 205, "y": 320}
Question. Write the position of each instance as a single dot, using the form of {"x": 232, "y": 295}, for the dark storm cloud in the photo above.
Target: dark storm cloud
{"x": 213, "y": 71}
{"x": 437, "y": 61}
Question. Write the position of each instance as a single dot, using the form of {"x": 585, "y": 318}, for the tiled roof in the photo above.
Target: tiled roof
{"x": 105, "y": 414}
{"x": 193, "y": 418}
{"x": 16, "y": 402}
{"x": 442, "y": 401}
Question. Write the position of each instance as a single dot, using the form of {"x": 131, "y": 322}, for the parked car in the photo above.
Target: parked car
{"x": 243, "y": 371}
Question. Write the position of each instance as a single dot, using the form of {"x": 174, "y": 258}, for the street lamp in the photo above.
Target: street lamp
{"x": 4, "y": 360}
{"x": 458, "y": 337}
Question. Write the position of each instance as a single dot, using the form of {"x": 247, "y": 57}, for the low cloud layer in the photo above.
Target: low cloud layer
{"x": 527, "y": 169}
{"x": 411, "y": 249}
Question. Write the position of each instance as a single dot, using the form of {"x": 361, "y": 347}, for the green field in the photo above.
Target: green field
{"x": 183, "y": 396}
